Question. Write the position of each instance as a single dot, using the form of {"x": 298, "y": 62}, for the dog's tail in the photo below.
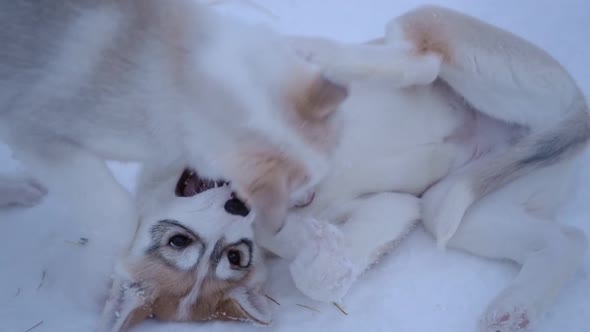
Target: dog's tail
{"x": 508, "y": 79}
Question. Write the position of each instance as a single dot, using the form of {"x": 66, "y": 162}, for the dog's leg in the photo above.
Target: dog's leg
{"x": 549, "y": 254}
{"x": 376, "y": 224}
{"x": 18, "y": 190}
{"x": 508, "y": 79}
{"x": 512, "y": 223}
{"x": 52, "y": 163}
{"x": 392, "y": 64}
{"x": 371, "y": 228}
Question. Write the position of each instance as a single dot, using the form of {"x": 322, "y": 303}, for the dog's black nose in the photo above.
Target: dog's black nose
{"x": 236, "y": 207}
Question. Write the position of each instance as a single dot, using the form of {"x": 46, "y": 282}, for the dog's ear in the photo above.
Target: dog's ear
{"x": 129, "y": 303}
{"x": 264, "y": 180}
{"x": 319, "y": 98}
{"x": 269, "y": 197}
{"x": 244, "y": 304}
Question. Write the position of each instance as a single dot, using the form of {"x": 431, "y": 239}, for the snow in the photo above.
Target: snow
{"x": 48, "y": 277}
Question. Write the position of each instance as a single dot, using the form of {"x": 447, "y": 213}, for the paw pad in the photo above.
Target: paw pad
{"x": 516, "y": 320}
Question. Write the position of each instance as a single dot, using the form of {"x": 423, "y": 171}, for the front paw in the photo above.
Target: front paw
{"x": 321, "y": 271}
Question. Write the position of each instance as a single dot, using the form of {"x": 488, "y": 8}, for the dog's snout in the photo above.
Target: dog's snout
{"x": 236, "y": 207}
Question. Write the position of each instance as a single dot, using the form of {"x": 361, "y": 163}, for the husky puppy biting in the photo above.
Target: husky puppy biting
{"x": 162, "y": 83}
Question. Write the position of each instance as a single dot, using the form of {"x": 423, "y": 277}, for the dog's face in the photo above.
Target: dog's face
{"x": 192, "y": 260}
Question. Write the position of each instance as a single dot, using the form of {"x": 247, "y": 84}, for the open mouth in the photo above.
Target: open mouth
{"x": 190, "y": 184}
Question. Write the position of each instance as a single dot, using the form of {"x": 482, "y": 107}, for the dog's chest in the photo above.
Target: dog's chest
{"x": 392, "y": 140}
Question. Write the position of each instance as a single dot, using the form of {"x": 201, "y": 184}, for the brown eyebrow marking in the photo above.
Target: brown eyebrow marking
{"x": 159, "y": 229}
{"x": 220, "y": 247}
{"x": 157, "y": 234}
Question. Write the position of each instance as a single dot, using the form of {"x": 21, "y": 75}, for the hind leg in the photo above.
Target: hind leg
{"x": 51, "y": 165}
{"x": 548, "y": 252}
{"x": 509, "y": 80}
{"x": 515, "y": 223}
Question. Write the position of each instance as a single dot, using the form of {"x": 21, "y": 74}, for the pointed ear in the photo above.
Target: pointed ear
{"x": 321, "y": 97}
{"x": 129, "y": 304}
{"x": 245, "y": 304}
{"x": 269, "y": 201}
{"x": 263, "y": 182}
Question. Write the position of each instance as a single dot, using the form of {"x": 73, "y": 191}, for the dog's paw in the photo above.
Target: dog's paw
{"x": 443, "y": 208}
{"x": 321, "y": 271}
{"x": 499, "y": 319}
{"x": 21, "y": 191}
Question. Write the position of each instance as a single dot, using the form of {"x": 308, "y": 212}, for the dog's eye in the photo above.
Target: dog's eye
{"x": 239, "y": 255}
{"x": 179, "y": 241}
{"x": 234, "y": 257}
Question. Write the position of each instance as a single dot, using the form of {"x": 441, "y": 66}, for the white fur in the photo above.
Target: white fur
{"x": 192, "y": 87}
{"x": 406, "y": 139}
{"x": 20, "y": 190}
{"x": 203, "y": 214}
{"x": 405, "y": 136}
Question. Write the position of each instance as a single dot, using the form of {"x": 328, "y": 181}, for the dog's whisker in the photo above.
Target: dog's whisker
{"x": 307, "y": 307}
{"x": 340, "y": 308}
{"x": 35, "y": 326}
{"x": 43, "y": 275}
{"x": 273, "y": 300}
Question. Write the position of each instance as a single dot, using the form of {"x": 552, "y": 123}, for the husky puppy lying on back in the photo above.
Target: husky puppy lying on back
{"x": 450, "y": 121}
{"x": 162, "y": 83}
{"x": 480, "y": 124}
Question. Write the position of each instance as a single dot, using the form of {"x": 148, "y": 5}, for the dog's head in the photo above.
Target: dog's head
{"x": 192, "y": 259}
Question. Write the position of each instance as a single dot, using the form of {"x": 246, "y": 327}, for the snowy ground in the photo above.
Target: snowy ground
{"x": 47, "y": 277}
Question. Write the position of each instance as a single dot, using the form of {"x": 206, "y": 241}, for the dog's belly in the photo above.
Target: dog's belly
{"x": 394, "y": 140}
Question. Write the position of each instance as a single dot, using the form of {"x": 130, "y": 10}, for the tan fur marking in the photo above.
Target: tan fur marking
{"x": 230, "y": 310}
{"x": 313, "y": 101}
{"x": 320, "y": 99}
{"x": 164, "y": 277}
{"x": 267, "y": 178}
{"x": 137, "y": 316}
{"x": 171, "y": 286}
{"x": 427, "y": 36}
